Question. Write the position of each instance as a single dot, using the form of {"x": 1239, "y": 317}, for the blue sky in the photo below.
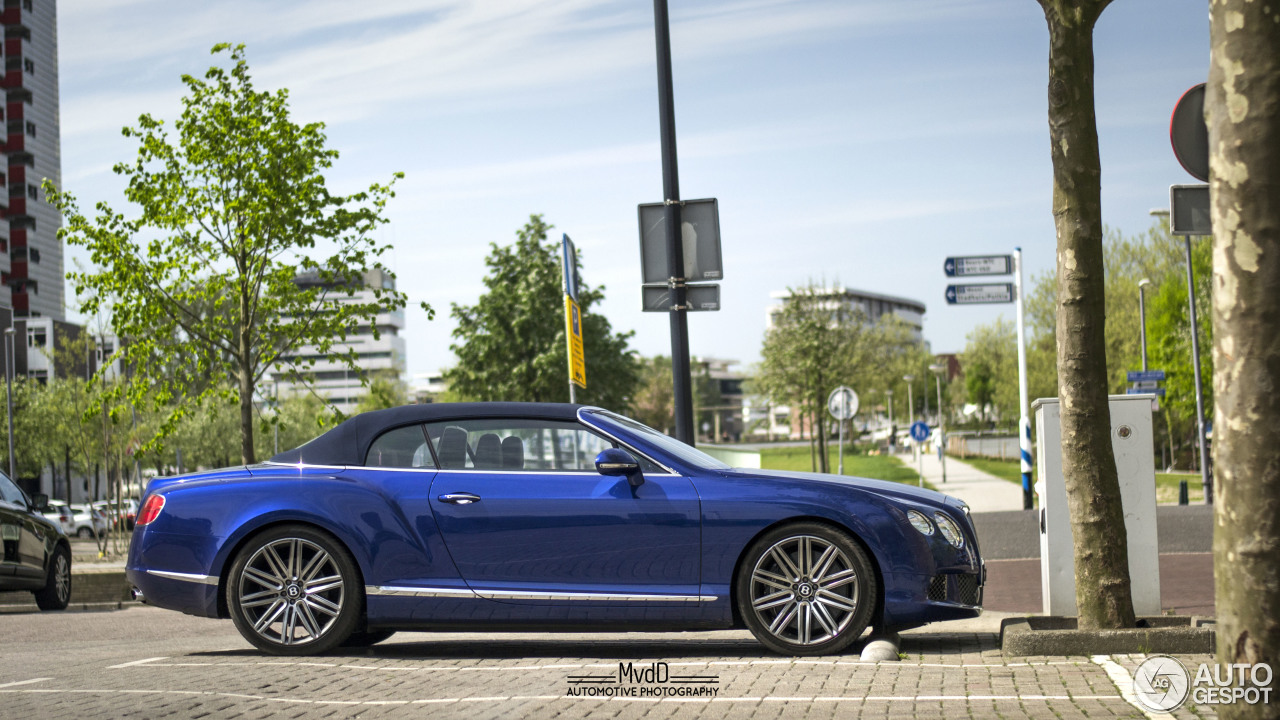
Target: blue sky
{"x": 859, "y": 141}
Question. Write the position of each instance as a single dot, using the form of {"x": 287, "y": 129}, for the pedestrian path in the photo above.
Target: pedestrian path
{"x": 983, "y": 492}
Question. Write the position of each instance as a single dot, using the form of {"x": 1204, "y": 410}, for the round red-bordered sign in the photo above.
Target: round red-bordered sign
{"x": 1189, "y": 133}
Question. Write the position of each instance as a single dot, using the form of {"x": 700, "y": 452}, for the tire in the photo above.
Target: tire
{"x": 84, "y": 533}
{"x": 56, "y": 594}
{"x": 806, "y": 589}
{"x": 365, "y": 638}
{"x": 294, "y": 590}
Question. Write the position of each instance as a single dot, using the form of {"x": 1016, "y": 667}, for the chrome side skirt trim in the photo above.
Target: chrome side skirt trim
{"x": 188, "y": 577}
{"x": 387, "y": 590}
{"x": 391, "y": 590}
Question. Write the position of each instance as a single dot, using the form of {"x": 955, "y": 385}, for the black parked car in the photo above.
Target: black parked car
{"x": 37, "y": 556}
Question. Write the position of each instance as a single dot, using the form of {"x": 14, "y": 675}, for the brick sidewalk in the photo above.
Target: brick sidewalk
{"x": 953, "y": 669}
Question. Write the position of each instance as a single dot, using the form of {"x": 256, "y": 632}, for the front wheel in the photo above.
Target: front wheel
{"x": 56, "y": 594}
{"x": 294, "y": 590}
{"x": 806, "y": 589}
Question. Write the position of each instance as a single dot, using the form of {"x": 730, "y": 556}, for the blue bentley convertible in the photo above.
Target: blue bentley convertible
{"x": 513, "y": 516}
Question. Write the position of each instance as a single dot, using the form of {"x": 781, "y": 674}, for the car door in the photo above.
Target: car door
{"x": 23, "y": 535}
{"x": 528, "y": 519}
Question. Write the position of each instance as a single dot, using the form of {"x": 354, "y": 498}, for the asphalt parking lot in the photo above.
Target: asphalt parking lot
{"x": 142, "y": 662}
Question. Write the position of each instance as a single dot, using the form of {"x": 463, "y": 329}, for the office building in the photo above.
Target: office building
{"x": 31, "y": 274}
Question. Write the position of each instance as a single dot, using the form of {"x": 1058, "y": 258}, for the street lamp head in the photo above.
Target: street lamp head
{"x": 1143, "y": 282}
{"x": 1158, "y": 212}
{"x": 938, "y": 368}
{"x": 908, "y": 378}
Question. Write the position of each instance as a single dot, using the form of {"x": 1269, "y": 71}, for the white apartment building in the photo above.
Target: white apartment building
{"x": 334, "y": 381}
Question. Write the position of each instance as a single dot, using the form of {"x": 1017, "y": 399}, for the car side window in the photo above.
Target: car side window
{"x": 516, "y": 444}
{"x": 11, "y": 494}
{"x": 403, "y": 447}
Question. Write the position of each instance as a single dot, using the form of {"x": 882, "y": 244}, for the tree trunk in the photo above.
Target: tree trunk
{"x": 1103, "y": 597}
{"x": 1242, "y": 107}
{"x": 820, "y": 427}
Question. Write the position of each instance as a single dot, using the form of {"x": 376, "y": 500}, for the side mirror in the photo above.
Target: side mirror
{"x": 616, "y": 461}
{"x": 39, "y": 502}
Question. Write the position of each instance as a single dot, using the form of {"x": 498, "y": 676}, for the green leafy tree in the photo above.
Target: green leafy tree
{"x": 510, "y": 345}
{"x": 817, "y": 344}
{"x": 990, "y": 363}
{"x": 201, "y": 284}
{"x": 1103, "y": 594}
{"x": 653, "y": 402}
{"x": 386, "y": 390}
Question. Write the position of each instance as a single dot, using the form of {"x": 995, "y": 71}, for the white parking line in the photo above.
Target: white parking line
{"x": 24, "y": 682}
{"x": 137, "y": 662}
{"x": 522, "y": 698}
{"x": 155, "y": 663}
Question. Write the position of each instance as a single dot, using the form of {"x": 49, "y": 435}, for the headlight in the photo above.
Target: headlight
{"x": 949, "y": 529}
{"x": 920, "y": 522}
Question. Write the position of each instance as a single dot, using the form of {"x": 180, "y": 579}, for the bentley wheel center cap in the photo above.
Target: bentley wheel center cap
{"x": 292, "y": 591}
{"x": 805, "y": 590}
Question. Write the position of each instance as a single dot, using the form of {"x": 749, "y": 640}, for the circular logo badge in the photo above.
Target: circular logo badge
{"x": 293, "y": 591}
{"x": 805, "y": 590}
{"x": 1161, "y": 683}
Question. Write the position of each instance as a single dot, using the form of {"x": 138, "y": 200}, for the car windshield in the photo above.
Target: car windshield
{"x": 668, "y": 444}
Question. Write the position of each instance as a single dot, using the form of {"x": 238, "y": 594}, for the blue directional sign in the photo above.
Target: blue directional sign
{"x": 980, "y": 294}
{"x": 978, "y": 265}
{"x": 1145, "y": 375}
{"x": 919, "y": 431}
{"x": 1142, "y": 391}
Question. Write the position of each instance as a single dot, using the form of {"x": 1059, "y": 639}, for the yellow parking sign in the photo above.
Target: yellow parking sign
{"x": 573, "y": 331}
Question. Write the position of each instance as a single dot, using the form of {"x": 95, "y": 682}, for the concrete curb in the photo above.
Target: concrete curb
{"x": 1054, "y": 635}
{"x": 89, "y": 586}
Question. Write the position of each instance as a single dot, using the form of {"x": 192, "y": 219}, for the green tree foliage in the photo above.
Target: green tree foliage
{"x": 386, "y": 390}
{"x": 1157, "y": 256}
{"x": 817, "y": 344}
{"x": 200, "y": 285}
{"x": 510, "y": 345}
{"x": 654, "y": 400}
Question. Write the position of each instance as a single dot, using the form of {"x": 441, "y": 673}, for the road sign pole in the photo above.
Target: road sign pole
{"x": 681, "y": 382}
{"x": 840, "y": 467}
{"x": 1195, "y": 366}
{"x": 1024, "y": 422}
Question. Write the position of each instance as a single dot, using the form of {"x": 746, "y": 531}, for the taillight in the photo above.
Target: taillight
{"x": 150, "y": 509}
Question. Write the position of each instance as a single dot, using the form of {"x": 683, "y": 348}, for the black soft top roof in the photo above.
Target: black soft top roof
{"x": 348, "y": 443}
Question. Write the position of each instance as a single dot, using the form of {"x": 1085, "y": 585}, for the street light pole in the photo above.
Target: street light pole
{"x": 942, "y": 420}
{"x": 682, "y": 385}
{"x": 1142, "y": 319}
{"x": 1205, "y": 479}
{"x": 892, "y": 439}
{"x": 8, "y": 378}
{"x": 911, "y": 413}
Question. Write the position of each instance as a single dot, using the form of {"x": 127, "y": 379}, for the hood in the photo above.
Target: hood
{"x": 878, "y": 487}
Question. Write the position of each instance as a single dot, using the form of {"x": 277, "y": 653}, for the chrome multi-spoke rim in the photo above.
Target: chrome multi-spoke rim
{"x": 291, "y": 591}
{"x": 62, "y": 578}
{"x": 804, "y": 590}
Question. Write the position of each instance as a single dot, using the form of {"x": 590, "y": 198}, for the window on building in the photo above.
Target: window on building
{"x": 33, "y": 192}
{"x": 31, "y": 128}
{"x": 29, "y": 65}
{"x": 26, "y": 5}
{"x": 36, "y": 338}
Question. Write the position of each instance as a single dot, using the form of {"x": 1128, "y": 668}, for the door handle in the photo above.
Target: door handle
{"x": 459, "y": 498}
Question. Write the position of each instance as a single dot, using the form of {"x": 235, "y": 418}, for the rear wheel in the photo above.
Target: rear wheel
{"x": 84, "y": 532}
{"x": 56, "y": 593}
{"x": 294, "y": 590}
{"x": 806, "y": 589}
